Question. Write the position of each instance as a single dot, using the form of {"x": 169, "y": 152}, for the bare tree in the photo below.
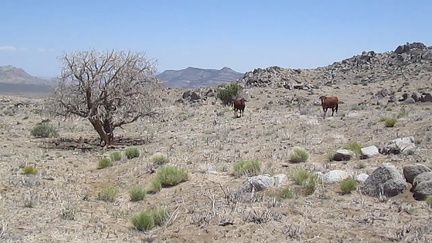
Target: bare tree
{"x": 109, "y": 89}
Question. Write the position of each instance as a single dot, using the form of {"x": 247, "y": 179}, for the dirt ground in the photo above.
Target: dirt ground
{"x": 206, "y": 139}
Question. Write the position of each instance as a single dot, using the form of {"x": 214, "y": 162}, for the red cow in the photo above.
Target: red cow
{"x": 329, "y": 102}
{"x": 239, "y": 105}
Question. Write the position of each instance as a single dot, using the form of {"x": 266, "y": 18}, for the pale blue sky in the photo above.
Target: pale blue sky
{"x": 242, "y": 34}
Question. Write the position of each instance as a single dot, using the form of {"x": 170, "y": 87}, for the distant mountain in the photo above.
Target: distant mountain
{"x": 196, "y": 77}
{"x": 11, "y": 74}
{"x": 15, "y": 80}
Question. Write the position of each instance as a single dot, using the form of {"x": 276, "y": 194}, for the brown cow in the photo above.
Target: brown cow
{"x": 239, "y": 105}
{"x": 329, "y": 102}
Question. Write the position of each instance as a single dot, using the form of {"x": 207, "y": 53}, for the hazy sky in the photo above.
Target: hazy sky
{"x": 240, "y": 34}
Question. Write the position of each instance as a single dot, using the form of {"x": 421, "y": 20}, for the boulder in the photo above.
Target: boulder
{"x": 343, "y": 155}
{"x": 369, "y": 152}
{"x": 423, "y": 177}
{"x": 333, "y": 176}
{"x": 411, "y": 171}
{"x": 385, "y": 180}
{"x": 423, "y": 190}
{"x": 362, "y": 177}
{"x": 403, "y": 145}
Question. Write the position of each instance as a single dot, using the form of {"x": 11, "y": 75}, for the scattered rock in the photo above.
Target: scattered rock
{"x": 333, "y": 176}
{"x": 385, "y": 180}
{"x": 369, "y": 152}
{"x": 411, "y": 171}
{"x": 343, "y": 155}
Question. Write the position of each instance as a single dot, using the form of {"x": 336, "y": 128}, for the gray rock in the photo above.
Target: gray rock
{"x": 343, "y": 154}
{"x": 369, "y": 152}
{"x": 404, "y": 145}
{"x": 334, "y": 176}
{"x": 257, "y": 183}
{"x": 416, "y": 96}
{"x": 423, "y": 190}
{"x": 425, "y": 176}
{"x": 426, "y": 97}
{"x": 385, "y": 180}
{"x": 411, "y": 171}
{"x": 362, "y": 177}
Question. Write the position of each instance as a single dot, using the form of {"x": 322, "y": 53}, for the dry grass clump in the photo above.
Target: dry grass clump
{"x": 298, "y": 154}
{"x": 159, "y": 158}
{"x": 108, "y": 194}
{"x": 247, "y": 168}
{"x": 115, "y": 156}
{"x": 171, "y": 175}
{"x": 306, "y": 179}
{"x": 348, "y": 185}
{"x": 29, "y": 170}
{"x": 137, "y": 193}
{"x": 390, "y": 122}
{"x": 353, "y": 146}
{"x": 429, "y": 201}
{"x": 132, "y": 153}
{"x": 155, "y": 186}
{"x": 104, "y": 162}
{"x": 44, "y": 130}
{"x": 149, "y": 219}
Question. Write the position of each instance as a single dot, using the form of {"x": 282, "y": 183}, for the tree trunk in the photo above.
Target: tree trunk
{"x": 108, "y": 138}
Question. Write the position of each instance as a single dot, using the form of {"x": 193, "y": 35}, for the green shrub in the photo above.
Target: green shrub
{"x": 348, "y": 185}
{"x": 104, "y": 162}
{"x": 429, "y": 201}
{"x": 137, "y": 193}
{"x": 132, "y": 153}
{"x": 115, "y": 156}
{"x": 390, "y": 122}
{"x": 108, "y": 194}
{"x": 306, "y": 179}
{"x": 155, "y": 186}
{"x": 149, "y": 219}
{"x": 169, "y": 175}
{"x": 29, "y": 170}
{"x": 353, "y": 146}
{"x": 159, "y": 158}
{"x": 298, "y": 154}
{"x": 228, "y": 93}
{"x": 247, "y": 168}
{"x": 44, "y": 130}
{"x": 285, "y": 193}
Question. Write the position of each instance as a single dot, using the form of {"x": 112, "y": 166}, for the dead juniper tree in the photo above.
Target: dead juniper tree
{"x": 109, "y": 89}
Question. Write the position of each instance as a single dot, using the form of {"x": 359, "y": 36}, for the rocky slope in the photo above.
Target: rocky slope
{"x": 197, "y": 77}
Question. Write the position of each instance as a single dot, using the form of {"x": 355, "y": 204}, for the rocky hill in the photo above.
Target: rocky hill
{"x": 14, "y": 75}
{"x": 408, "y": 60}
{"x": 196, "y": 77}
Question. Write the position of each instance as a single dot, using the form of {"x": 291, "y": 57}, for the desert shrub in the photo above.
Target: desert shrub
{"x": 353, "y": 146}
{"x": 429, "y": 201}
{"x": 169, "y": 175}
{"x": 247, "y": 167}
{"x": 228, "y": 93}
{"x": 29, "y": 170}
{"x": 298, "y": 154}
{"x": 115, "y": 156}
{"x": 285, "y": 193}
{"x": 132, "y": 153}
{"x": 108, "y": 194}
{"x": 348, "y": 185}
{"x": 306, "y": 179}
{"x": 390, "y": 122}
{"x": 155, "y": 186}
{"x": 330, "y": 154}
{"x": 137, "y": 193}
{"x": 402, "y": 113}
{"x": 44, "y": 130}
{"x": 383, "y": 118}
{"x": 104, "y": 162}
{"x": 159, "y": 158}
{"x": 149, "y": 219}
